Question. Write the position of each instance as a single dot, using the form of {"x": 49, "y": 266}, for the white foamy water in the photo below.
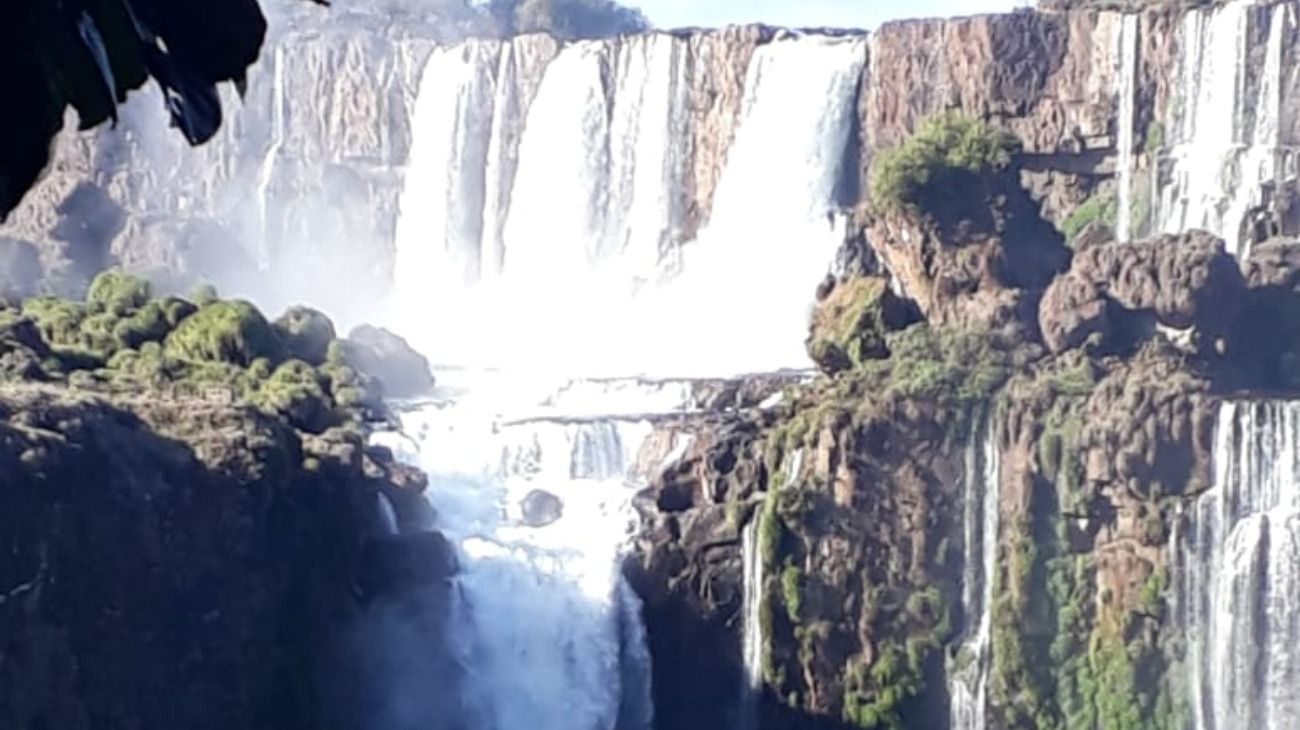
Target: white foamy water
{"x": 1128, "y": 62}
{"x": 581, "y": 267}
{"x": 547, "y": 629}
{"x": 540, "y": 245}
{"x": 968, "y": 672}
{"x": 1226, "y": 128}
{"x": 1238, "y": 574}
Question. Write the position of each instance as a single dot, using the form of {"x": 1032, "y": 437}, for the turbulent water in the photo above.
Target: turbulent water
{"x": 543, "y": 234}
{"x": 579, "y": 176}
{"x": 1239, "y": 584}
{"x": 548, "y": 631}
{"x": 1227, "y": 155}
{"x": 968, "y": 672}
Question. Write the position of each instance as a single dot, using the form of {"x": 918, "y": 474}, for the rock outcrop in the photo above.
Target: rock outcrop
{"x": 193, "y": 526}
{"x": 1112, "y": 292}
{"x": 175, "y": 561}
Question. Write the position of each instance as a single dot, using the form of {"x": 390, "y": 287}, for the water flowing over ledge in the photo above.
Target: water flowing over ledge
{"x": 1239, "y": 574}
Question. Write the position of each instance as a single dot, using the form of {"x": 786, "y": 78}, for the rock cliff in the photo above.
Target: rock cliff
{"x": 182, "y": 548}
{"x": 981, "y": 508}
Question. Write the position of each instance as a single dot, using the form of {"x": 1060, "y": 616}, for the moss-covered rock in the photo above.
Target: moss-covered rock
{"x": 232, "y": 332}
{"x": 118, "y": 292}
{"x": 295, "y": 390}
{"x": 307, "y": 333}
{"x": 149, "y": 323}
{"x": 851, "y": 321}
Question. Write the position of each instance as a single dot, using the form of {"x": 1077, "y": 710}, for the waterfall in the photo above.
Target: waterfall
{"x": 387, "y": 515}
{"x": 1239, "y": 582}
{"x": 1227, "y": 148}
{"x": 751, "y": 689}
{"x": 751, "y": 628}
{"x": 969, "y": 671}
{"x": 585, "y": 177}
{"x": 1128, "y": 61}
{"x": 548, "y": 631}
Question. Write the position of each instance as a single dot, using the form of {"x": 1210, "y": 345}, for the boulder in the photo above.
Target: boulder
{"x": 307, "y": 333}
{"x": 851, "y": 320}
{"x": 540, "y": 508}
{"x": 228, "y": 331}
{"x": 1114, "y": 295}
{"x": 400, "y": 370}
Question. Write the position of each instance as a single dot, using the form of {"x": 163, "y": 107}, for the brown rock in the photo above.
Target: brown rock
{"x": 1186, "y": 281}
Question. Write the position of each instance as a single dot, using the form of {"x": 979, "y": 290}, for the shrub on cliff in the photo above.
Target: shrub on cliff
{"x": 225, "y": 331}
{"x": 149, "y": 323}
{"x": 295, "y": 391}
{"x": 118, "y": 292}
{"x": 945, "y": 154}
{"x": 948, "y": 367}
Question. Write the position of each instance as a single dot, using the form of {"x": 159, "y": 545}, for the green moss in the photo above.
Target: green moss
{"x": 149, "y": 323}
{"x": 175, "y": 310}
{"x": 118, "y": 292}
{"x": 58, "y": 319}
{"x": 949, "y": 367}
{"x": 873, "y": 696}
{"x": 1151, "y": 595}
{"x": 848, "y": 326}
{"x": 791, "y": 591}
{"x": 1155, "y": 139}
{"x": 295, "y": 392}
{"x": 225, "y": 331}
{"x": 935, "y": 158}
{"x": 1100, "y": 208}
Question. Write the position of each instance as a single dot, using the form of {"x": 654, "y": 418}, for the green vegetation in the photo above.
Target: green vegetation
{"x": 948, "y": 367}
{"x": 791, "y": 585}
{"x": 121, "y": 340}
{"x": 874, "y": 696}
{"x": 228, "y": 331}
{"x": 1100, "y": 208}
{"x": 1155, "y": 140}
{"x": 936, "y": 160}
{"x": 118, "y": 292}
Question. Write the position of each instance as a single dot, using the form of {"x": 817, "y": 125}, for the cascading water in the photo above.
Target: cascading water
{"x": 1128, "y": 58}
{"x": 1227, "y": 137}
{"x": 752, "y": 629}
{"x": 968, "y": 672}
{"x": 549, "y": 633}
{"x": 751, "y": 615}
{"x": 598, "y": 199}
{"x": 541, "y": 242}
{"x": 1239, "y": 574}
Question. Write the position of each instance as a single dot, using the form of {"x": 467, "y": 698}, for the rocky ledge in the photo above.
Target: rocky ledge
{"x": 970, "y": 359}
{"x": 194, "y": 528}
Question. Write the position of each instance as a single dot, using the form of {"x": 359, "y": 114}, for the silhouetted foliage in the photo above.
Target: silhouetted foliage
{"x": 88, "y": 54}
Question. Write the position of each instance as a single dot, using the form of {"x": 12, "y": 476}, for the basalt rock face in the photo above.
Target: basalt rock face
{"x": 176, "y": 559}
{"x": 985, "y": 271}
{"x": 1183, "y": 282}
{"x": 1049, "y": 78}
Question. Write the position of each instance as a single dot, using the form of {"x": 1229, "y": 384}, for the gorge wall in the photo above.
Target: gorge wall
{"x": 1012, "y": 497}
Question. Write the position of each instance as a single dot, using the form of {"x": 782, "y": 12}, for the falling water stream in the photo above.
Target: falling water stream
{"x": 541, "y": 245}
